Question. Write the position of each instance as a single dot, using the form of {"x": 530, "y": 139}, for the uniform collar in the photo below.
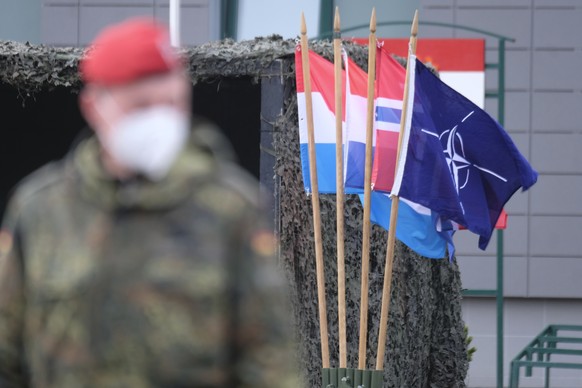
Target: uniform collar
{"x": 192, "y": 166}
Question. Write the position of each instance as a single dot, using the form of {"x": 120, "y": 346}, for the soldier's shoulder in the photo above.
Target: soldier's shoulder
{"x": 241, "y": 183}
{"x": 229, "y": 177}
{"x": 230, "y": 193}
{"x": 39, "y": 182}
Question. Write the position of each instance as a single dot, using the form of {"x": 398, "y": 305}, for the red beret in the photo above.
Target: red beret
{"x": 127, "y": 51}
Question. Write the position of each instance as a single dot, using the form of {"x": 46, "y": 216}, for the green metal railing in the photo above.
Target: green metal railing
{"x": 537, "y": 354}
{"x": 500, "y": 95}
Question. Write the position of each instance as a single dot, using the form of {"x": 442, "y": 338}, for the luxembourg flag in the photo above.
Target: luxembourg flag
{"x": 323, "y": 99}
{"x": 322, "y": 95}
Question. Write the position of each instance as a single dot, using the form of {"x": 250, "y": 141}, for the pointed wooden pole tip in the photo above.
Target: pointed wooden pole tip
{"x": 414, "y": 29}
{"x": 336, "y": 20}
{"x": 373, "y": 20}
{"x": 303, "y": 25}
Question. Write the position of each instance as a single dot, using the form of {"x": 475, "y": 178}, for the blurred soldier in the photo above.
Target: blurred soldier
{"x": 141, "y": 259}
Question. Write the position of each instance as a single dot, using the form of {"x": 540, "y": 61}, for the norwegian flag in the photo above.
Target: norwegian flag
{"x": 389, "y": 91}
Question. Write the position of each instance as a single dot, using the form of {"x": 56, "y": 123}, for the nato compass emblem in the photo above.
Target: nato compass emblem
{"x": 454, "y": 151}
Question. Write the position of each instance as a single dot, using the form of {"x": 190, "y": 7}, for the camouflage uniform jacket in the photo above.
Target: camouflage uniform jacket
{"x": 140, "y": 284}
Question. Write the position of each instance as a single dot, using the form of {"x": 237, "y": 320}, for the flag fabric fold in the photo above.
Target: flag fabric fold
{"x": 456, "y": 159}
{"x": 416, "y": 226}
{"x": 356, "y": 112}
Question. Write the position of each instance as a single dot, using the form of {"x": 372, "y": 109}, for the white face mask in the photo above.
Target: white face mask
{"x": 148, "y": 141}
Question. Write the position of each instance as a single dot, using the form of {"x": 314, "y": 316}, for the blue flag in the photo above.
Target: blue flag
{"x": 456, "y": 159}
{"x": 415, "y": 225}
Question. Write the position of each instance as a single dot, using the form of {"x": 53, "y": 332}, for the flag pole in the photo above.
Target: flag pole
{"x": 175, "y": 22}
{"x": 367, "y": 194}
{"x": 339, "y": 163}
{"x": 394, "y": 210}
{"x": 315, "y": 199}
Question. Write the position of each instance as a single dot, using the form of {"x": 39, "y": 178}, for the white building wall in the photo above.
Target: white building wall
{"x": 77, "y": 22}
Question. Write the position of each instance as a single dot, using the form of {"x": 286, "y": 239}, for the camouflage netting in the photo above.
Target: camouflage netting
{"x": 31, "y": 68}
{"x": 426, "y": 345}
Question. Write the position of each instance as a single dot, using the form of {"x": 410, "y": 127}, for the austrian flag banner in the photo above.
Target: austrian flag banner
{"x": 459, "y": 62}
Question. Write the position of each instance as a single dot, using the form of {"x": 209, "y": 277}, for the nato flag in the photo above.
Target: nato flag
{"x": 456, "y": 159}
